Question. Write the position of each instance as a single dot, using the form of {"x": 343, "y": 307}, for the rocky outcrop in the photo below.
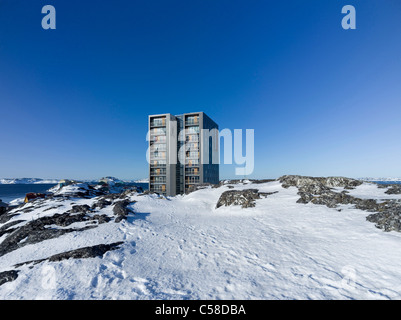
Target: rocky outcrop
{"x": 244, "y": 198}
{"x": 388, "y": 216}
{"x": 385, "y": 214}
{"x": 49, "y": 227}
{"x": 8, "y": 276}
{"x": 329, "y": 182}
{"x": 394, "y": 189}
{"x": 34, "y": 222}
{"x": 82, "y": 253}
{"x": 121, "y": 211}
{"x": 3, "y": 207}
{"x": 87, "y": 252}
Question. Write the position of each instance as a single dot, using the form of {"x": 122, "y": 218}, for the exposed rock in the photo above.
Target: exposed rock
{"x": 394, "y": 189}
{"x": 7, "y": 276}
{"x": 7, "y": 227}
{"x": 41, "y": 229}
{"x": 258, "y": 181}
{"x": 120, "y": 210}
{"x": 386, "y": 216}
{"x": 6, "y": 216}
{"x": 87, "y": 252}
{"x": 3, "y": 207}
{"x": 200, "y": 186}
{"x": 330, "y": 182}
{"x": 81, "y": 253}
{"x": 81, "y": 190}
{"x": 110, "y": 196}
{"x": 100, "y": 204}
{"x": 101, "y": 218}
{"x": 80, "y": 209}
{"x": 129, "y": 192}
{"x": 245, "y": 198}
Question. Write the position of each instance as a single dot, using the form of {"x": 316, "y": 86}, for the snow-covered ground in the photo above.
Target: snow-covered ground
{"x": 184, "y": 248}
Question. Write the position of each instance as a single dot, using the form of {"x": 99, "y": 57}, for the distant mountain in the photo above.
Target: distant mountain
{"x": 144, "y": 180}
{"x": 27, "y": 181}
{"x": 380, "y": 179}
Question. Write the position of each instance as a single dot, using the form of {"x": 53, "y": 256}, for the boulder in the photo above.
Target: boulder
{"x": 245, "y": 198}
{"x": 120, "y": 210}
{"x": 7, "y": 276}
{"x": 330, "y": 182}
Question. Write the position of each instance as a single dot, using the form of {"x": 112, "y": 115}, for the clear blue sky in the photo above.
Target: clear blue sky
{"x": 322, "y": 100}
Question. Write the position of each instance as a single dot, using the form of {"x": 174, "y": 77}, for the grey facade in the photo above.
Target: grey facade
{"x": 184, "y": 152}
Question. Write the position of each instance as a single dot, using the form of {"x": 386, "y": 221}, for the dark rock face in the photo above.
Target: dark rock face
{"x": 330, "y": 182}
{"x": 81, "y": 253}
{"x": 120, "y": 210}
{"x": 5, "y": 216}
{"x": 3, "y": 209}
{"x": 245, "y": 198}
{"x": 19, "y": 233}
{"x": 8, "y": 276}
{"x": 388, "y": 216}
{"x": 7, "y": 227}
{"x": 394, "y": 189}
{"x": 87, "y": 252}
{"x": 41, "y": 229}
{"x": 102, "y": 203}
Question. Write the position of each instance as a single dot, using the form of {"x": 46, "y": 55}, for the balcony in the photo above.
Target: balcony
{"x": 192, "y": 137}
{"x": 158, "y": 122}
{"x": 158, "y": 132}
{"x": 192, "y": 155}
{"x": 192, "y": 172}
{"x": 158, "y": 172}
{"x": 192, "y": 163}
{"x": 192, "y": 123}
{"x": 158, "y": 138}
{"x": 156, "y": 164}
{"x": 158, "y": 188}
{"x": 158, "y": 156}
{"x": 192, "y": 130}
{"x": 158, "y": 181}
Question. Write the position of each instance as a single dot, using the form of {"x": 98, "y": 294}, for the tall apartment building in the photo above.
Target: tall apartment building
{"x": 184, "y": 152}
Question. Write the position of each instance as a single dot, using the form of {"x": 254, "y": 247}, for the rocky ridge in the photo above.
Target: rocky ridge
{"x": 18, "y": 230}
{"x": 386, "y": 214}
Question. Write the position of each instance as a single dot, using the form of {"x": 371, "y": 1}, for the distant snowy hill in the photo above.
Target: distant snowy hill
{"x": 292, "y": 238}
{"x": 144, "y": 180}
{"x": 28, "y": 181}
{"x": 381, "y": 179}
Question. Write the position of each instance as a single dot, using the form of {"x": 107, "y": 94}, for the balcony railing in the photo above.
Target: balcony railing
{"x": 192, "y": 155}
{"x": 158, "y": 181}
{"x": 158, "y": 188}
{"x": 158, "y": 138}
{"x": 158, "y": 132}
{"x": 158, "y": 123}
{"x": 157, "y": 165}
{"x": 192, "y": 137}
{"x": 191, "y": 163}
{"x": 160, "y": 172}
{"x": 158, "y": 156}
{"x": 192, "y": 122}
{"x": 192, "y": 130}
